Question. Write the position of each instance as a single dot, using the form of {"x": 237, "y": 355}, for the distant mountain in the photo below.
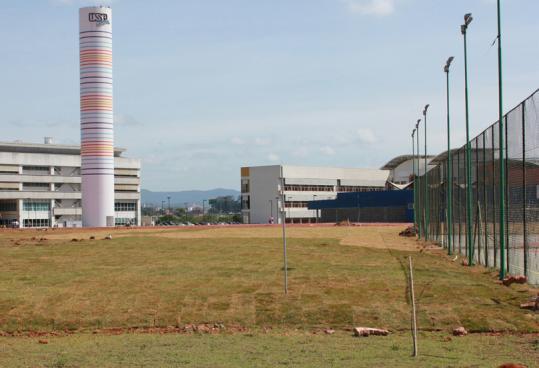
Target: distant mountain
{"x": 188, "y": 196}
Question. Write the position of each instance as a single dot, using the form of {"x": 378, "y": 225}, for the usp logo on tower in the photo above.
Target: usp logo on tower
{"x": 98, "y": 18}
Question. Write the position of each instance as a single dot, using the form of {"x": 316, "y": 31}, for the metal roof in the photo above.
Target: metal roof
{"x": 57, "y": 149}
{"x": 395, "y": 162}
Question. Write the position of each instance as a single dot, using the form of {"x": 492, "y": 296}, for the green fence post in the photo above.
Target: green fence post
{"x": 501, "y": 155}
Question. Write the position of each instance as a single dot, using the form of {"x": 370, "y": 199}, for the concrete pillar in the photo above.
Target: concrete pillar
{"x": 52, "y": 218}
{"x": 19, "y": 212}
{"x": 139, "y": 213}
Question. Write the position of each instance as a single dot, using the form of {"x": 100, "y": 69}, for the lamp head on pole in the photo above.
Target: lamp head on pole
{"x": 413, "y": 132}
{"x": 425, "y": 109}
{"x": 467, "y": 20}
{"x": 417, "y": 124}
{"x": 448, "y": 64}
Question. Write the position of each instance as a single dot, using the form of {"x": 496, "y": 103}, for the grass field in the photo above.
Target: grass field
{"x": 339, "y": 277}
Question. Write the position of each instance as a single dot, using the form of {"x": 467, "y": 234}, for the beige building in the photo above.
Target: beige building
{"x": 40, "y": 186}
{"x": 261, "y": 189}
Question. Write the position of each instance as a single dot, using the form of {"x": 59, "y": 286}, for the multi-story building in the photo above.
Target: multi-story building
{"x": 40, "y": 186}
{"x": 261, "y": 190}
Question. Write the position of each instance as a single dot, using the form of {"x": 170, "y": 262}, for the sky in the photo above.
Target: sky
{"x": 203, "y": 87}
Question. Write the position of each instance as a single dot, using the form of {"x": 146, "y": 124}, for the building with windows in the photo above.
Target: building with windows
{"x": 261, "y": 190}
{"x": 40, "y": 186}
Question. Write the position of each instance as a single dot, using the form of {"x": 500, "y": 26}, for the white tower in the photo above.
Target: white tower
{"x": 97, "y": 133}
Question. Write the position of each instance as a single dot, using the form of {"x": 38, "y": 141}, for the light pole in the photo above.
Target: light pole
{"x": 425, "y": 177}
{"x": 413, "y": 175}
{"x": 449, "y": 179}
{"x": 463, "y": 28}
{"x": 168, "y": 203}
{"x": 316, "y": 213}
{"x": 418, "y": 191}
{"x": 283, "y": 214}
{"x": 271, "y": 208}
{"x": 502, "y": 146}
{"x": 163, "y": 206}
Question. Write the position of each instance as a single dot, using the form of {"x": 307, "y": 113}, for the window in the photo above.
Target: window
{"x": 122, "y": 206}
{"x": 36, "y": 206}
{"x": 35, "y": 170}
{"x": 120, "y": 221}
{"x": 350, "y": 188}
{"x": 245, "y": 202}
{"x": 36, "y": 187}
{"x": 36, "y": 222}
{"x": 308, "y": 188}
{"x": 245, "y": 186}
{"x": 298, "y": 204}
{"x": 8, "y": 206}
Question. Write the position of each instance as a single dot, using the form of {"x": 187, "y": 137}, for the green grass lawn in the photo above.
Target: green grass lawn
{"x": 144, "y": 279}
{"x": 292, "y": 349}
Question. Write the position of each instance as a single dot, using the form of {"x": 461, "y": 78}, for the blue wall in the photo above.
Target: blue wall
{"x": 388, "y": 198}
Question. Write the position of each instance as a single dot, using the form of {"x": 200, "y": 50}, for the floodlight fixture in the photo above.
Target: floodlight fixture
{"x": 467, "y": 20}
{"x": 425, "y": 109}
{"x": 448, "y": 64}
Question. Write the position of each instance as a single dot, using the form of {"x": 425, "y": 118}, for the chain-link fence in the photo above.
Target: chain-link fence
{"x": 521, "y": 160}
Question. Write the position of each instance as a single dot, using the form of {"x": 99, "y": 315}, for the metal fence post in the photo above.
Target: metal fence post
{"x": 524, "y": 191}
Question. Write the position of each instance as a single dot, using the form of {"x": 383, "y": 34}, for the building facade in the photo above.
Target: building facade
{"x": 401, "y": 169}
{"x": 40, "y": 186}
{"x": 261, "y": 194}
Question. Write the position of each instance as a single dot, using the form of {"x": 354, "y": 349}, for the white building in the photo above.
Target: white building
{"x": 261, "y": 185}
{"x": 401, "y": 169}
{"x": 40, "y": 186}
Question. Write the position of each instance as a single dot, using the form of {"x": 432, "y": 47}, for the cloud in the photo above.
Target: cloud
{"x": 371, "y": 7}
{"x": 327, "y": 150}
{"x": 237, "y": 141}
{"x": 366, "y": 136}
{"x": 273, "y": 157}
{"x": 301, "y": 151}
{"x": 81, "y": 2}
{"x": 262, "y": 141}
{"x": 126, "y": 120}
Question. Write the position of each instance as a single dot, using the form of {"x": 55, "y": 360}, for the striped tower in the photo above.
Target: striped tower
{"x": 97, "y": 139}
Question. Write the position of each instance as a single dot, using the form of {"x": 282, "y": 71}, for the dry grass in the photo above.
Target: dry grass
{"x": 368, "y": 235}
{"x": 339, "y": 276}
